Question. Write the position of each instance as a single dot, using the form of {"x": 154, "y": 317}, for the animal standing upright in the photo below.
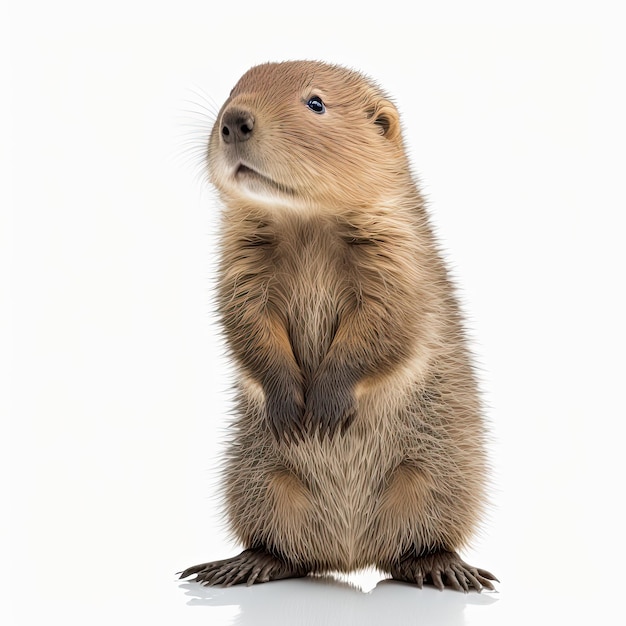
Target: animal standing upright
{"x": 358, "y": 438}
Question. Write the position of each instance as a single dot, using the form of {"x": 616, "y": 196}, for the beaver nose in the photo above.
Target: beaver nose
{"x": 237, "y": 125}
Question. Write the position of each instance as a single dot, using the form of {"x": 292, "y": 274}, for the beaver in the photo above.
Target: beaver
{"x": 358, "y": 437}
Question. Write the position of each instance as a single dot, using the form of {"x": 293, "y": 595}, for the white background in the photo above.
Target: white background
{"x": 118, "y": 389}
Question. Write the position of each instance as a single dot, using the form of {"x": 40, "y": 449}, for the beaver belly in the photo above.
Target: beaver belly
{"x": 343, "y": 479}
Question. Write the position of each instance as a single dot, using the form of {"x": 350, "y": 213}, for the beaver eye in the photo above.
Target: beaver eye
{"x": 316, "y": 105}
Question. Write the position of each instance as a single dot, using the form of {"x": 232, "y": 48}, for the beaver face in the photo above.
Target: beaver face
{"x": 306, "y": 134}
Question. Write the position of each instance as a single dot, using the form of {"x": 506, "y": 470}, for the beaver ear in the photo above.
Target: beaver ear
{"x": 385, "y": 116}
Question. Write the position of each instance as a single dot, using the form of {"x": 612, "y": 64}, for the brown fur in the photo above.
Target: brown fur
{"x": 358, "y": 439}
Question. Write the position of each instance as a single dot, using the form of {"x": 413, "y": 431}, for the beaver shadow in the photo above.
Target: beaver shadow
{"x": 326, "y": 600}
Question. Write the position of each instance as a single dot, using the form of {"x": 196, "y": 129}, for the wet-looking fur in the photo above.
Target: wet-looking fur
{"x": 358, "y": 439}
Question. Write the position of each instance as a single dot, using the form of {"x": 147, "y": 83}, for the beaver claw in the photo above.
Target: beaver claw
{"x": 249, "y": 567}
{"x": 442, "y": 569}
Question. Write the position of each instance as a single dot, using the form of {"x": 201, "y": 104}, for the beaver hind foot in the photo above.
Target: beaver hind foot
{"x": 250, "y": 567}
{"x": 442, "y": 569}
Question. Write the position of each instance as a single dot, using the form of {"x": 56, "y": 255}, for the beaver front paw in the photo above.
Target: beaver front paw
{"x": 284, "y": 408}
{"x": 330, "y": 407}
